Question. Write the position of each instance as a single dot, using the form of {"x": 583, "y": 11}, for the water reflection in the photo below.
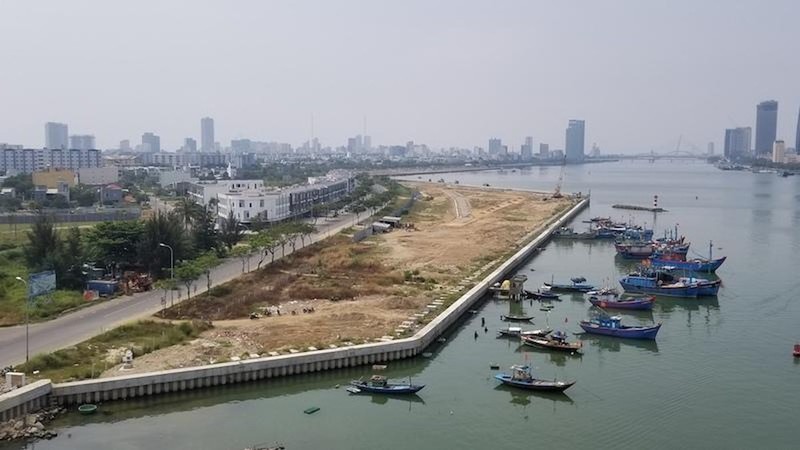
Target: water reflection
{"x": 525, "y": 398}
{"x": 558, "y": 358}
{"x": 380, "y": 399}
{"x": 613, "y": 344}
{"x": 671, "y": 304}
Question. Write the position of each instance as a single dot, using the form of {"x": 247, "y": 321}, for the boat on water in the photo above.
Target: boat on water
{"x": 678, "y": 261}
{"x": 612, "y": 326}
{"x": 578, "y": 284}
{"x": 634, "y": 250}
{"x": 796, "y": 351}
{"x": 87, "y": 409}
{"x": 521, "y": 377}
{"x": 705, "y": 288}
{"x": 658, "y": 283}
{"x": 611, "y": 298}
{"x": 378, "y": 384}
{"x": 516, "y": 318}
{"x": 518, "y": 331}
{"x": 569, "y": 233}
{"x": 542, "y": 295}
{"x": 556, "y": 341}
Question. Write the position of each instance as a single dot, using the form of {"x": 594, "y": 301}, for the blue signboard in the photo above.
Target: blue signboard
{"x": 41, "y": 283}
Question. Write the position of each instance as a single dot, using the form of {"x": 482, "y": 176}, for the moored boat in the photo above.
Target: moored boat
{"x": 705, "y": 288}
{"x": 694, "y": 265}
{"x": 658, "y": 283}
{"x": 518, "y": 331}
{"x": 612, "y": 326}
{"x": 516, "y": 318}
{"x": 378, "y": 384}
{"x": 569, "y": 233}
{"x": 556, "y": 341}
{"x": 610, "y": 298}
{"x": 796, "y": 351}
{"x": 578, "y": 285}
{"x": 542, "y": 295}
{"x": 521, "y": 377}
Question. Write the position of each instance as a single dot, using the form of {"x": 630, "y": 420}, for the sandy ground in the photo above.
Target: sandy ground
{"x": 459, "y": 233}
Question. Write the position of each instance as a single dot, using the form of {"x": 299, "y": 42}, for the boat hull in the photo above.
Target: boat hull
{"x": 534, "y": 385}
{"x": 637, "y": 304}
{"x": 647, "y": 286}
{"x": 389, "y": 389}
{"x": 544, "y": 344}
{"x": 569, "y": 287}
{"x": 625, "y": 332}
{"x": 694, "y": 266}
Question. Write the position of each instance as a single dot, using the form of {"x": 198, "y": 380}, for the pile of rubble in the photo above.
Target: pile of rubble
{"x": 31, "y": 426}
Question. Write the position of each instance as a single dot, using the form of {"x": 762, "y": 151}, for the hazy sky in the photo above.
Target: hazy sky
{"x": 445, "y": 73}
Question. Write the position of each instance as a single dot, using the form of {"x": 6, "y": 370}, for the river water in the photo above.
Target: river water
{"x": 720, "y": 375}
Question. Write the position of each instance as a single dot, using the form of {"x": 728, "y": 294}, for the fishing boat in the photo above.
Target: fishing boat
{"x": 516, "y": 318}
{"x": 542, "y": 295}
{"x": 705, "y": 288}
{"x": 634, "y": 250}
{"x": 556, "y": 341}
{"x": 610, "y": 298}
{"x": 518, "y": 331}
{"x": 678, "y": 261}
{"x": 578, "y": 285}
{"x": 377, "y": 384}
{"x": 611, "y": 326}
{"x": 521, "y": 377}
{"x": 569, "y": 233}
{"x": 796, "y": 351}
{"x": 658, "y": 283}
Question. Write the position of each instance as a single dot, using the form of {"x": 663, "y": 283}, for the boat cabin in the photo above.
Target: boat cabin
{"x": 521, "y": 373}
{"x": 610, "y": 322}
{"x": 377, "y": 381}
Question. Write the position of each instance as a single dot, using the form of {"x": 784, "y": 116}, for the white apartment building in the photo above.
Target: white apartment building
{"x": 270, "y": 206}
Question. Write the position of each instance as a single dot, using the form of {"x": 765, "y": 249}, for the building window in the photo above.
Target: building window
{"x": 241, "y": 203}
{"x": 261, "y": 203}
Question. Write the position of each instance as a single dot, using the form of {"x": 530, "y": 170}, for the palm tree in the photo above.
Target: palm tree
{"x": 187, "y": 210}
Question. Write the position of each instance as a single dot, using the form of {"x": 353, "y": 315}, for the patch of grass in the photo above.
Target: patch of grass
{"x": 90, "y": 358}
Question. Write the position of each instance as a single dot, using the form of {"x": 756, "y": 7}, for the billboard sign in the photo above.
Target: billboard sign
{"x": 41, "y": 283}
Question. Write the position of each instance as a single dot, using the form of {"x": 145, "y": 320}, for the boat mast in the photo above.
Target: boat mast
{"x": 710, "y": 245}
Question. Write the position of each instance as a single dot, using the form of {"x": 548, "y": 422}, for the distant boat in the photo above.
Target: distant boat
{"x": 556, "y": 341}
{"x": 796, "y": 351}
{"x": 610, "y": 298}
{"x": 658, "y": 283}
{"x": 521, "y": 377}
{"x": 578, "y": 285}
{"x": 569, "y": 233}
{"x": 377, "y": 384}
{"x": 611, "y": 326}
{"x": 543, "y": 295}
{"x": 516, "y": 318}
{"x": 518, "y": 331}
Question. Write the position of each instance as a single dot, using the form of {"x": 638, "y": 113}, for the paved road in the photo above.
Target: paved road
{"x": 82, "y": 324}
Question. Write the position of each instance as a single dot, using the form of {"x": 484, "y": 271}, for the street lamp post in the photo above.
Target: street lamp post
{"x": 27, "y": 316}
{"x": 171, "y": 267}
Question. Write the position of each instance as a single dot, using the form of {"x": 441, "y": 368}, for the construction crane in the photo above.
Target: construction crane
{"x": 557, "y": 191}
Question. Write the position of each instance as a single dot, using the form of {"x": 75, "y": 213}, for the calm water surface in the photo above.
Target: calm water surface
{"x": 720, "y": 375}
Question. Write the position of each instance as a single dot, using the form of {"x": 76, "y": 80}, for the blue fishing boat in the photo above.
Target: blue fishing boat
{"x": 578, "y": 285}
{"x": 611, "y": 326}
{"x": 658, "y": 283}
{"x": 695, "y": 265}
{"x": 521, "y": 377}
{"x": 377, "y": 384}
{"x": 610, "y": 298}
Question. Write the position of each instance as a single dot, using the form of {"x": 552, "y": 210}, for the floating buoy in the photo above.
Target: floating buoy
{"x": 311, "y": 410}
{"x": 427, "y": 355}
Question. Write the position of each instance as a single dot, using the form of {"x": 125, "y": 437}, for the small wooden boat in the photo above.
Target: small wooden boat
{"x": 542, "y": 295}
{"x": 87, "y": 409}
{"x": 796, "y": 351}
{"x": 521, "y": 377}
{"x": 518, "y": 331}
{"x": 611, "y": 326}
{"x": 516, "y": 318}
{"x": 557, "y": 341}
{"x": 377, "y": 384}
{"x": 610, "y": 298}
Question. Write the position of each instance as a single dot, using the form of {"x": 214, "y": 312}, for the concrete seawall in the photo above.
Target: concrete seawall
{"x": 41, "y": 393}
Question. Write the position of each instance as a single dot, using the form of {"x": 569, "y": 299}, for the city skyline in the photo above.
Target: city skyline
{"x": 638, "y": 94}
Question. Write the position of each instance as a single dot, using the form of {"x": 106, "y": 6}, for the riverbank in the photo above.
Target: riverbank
{"x": 340, "y": 293}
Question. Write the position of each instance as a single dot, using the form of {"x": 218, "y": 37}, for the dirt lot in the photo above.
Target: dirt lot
{"x": 362, "y": 291}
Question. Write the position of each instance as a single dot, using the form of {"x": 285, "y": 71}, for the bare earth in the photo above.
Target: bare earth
{"x": 379, "y": 283}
